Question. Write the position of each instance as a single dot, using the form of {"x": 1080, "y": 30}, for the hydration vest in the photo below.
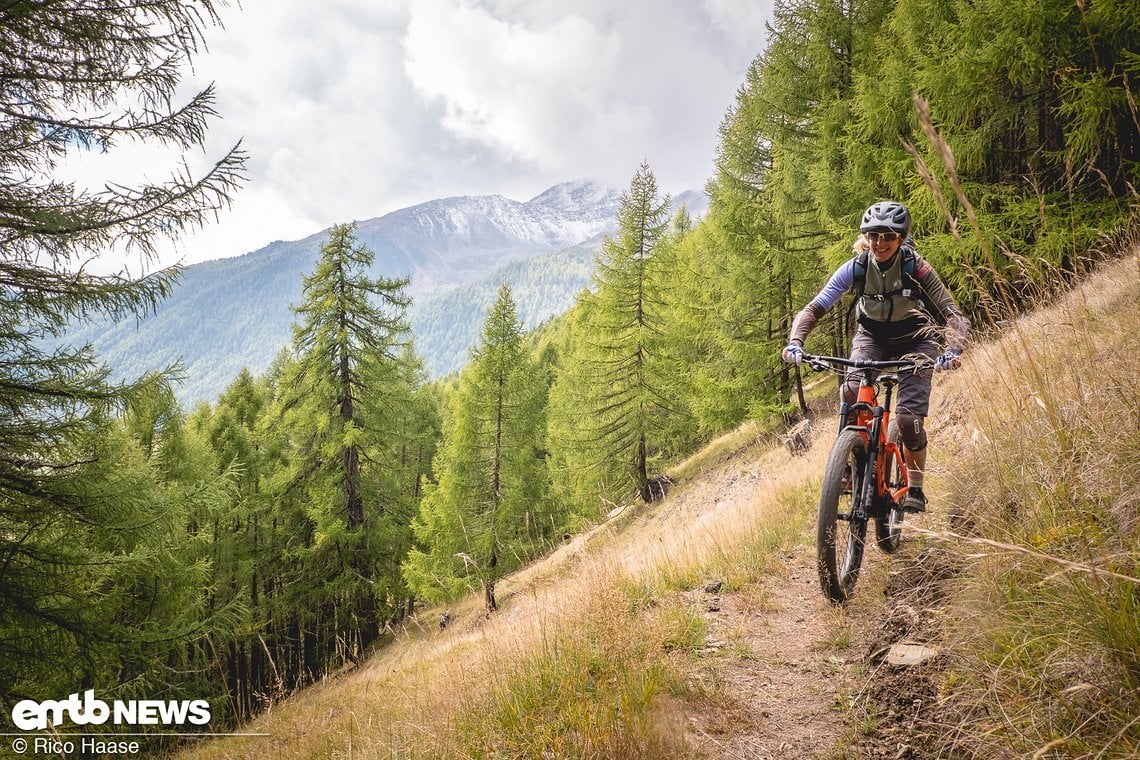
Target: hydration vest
{"x": 896, "y": 306}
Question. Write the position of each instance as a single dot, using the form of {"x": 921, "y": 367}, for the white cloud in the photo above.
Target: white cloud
{"x": 522, "y": 91}
{"x": 741, "y": 23}
{"x": 353, "y": 108}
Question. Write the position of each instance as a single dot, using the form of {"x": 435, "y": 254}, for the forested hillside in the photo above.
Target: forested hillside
{"x": 446, "y": 326}
{"x": 254, "y": 546}
{"x": 225, "y": 315}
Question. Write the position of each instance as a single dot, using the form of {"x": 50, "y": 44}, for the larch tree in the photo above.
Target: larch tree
{"x": 238, "y": 435}
{"x": 487, "y": 511}
{"x": 73, "y": 77}
{"x": 338, "y": 486}
{"x": 342, "y": 342}
{"x": 614, "y": 397}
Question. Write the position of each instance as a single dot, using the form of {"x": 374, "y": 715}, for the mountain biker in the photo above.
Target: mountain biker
{"x": 901, "y": 305}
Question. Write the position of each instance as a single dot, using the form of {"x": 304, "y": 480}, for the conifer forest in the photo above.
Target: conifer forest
{"x": 243, "y": 549}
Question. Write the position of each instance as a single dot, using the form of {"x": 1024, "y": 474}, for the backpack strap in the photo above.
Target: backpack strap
{"x": 911, "y": 285}
{"x": 858, "y": 284}
{"x": 910, "y": 277}
{"x": 859, "y": 273}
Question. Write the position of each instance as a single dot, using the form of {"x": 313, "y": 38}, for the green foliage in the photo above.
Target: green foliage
{"x": 611, "y": 396}
{"x": 249, "y": 547}
{"x": 489, "y": 509}
{"x": 342, "y": 494}
{"x": 1037, "y": 125}
{"x": 95, "y": 586}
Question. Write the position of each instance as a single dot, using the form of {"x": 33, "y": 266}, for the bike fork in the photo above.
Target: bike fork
{"x": 869, "y": 483}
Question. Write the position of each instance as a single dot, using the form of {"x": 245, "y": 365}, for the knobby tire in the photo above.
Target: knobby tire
{"x": 840, "y": 543}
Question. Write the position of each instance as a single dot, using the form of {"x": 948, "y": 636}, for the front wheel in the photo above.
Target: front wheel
{"x": 839, "y": 537}
{"x": 888, "y": 530}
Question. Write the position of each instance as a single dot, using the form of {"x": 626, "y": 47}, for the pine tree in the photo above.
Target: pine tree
{"x": 782, "y": 198}
{"x": 486, "y": 513}
{"x": 248, "y": 565}
{"x": 343, "y": 345}
{"x": 612, "y": 394}
{"x": 71, "y": 487}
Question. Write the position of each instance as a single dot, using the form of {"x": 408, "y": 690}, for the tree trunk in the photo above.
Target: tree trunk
{"x": 642, "y": 473}
{"x": 489, "y": 595}
{"x": 353, "y": 500}
{"x": 489, "y": 583}
{"x": 800, "y": 391}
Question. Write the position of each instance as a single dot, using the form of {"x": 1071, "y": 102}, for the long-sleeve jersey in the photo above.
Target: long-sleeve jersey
{"x": 843, "y": 281}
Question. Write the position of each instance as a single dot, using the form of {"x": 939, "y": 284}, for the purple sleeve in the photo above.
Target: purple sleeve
{"x": 840, "y": 282}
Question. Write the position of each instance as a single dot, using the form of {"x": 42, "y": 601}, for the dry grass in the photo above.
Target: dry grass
{"x": 592, "y": 649}
{"x": 1047, "y": 628}
{"x": 1044, "y": 478}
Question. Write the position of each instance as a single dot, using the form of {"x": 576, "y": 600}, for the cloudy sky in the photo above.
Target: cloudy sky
{"x": 350, "y": 109}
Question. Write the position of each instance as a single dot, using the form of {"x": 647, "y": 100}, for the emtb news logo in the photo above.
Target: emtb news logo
{"x": 30, "y": 715}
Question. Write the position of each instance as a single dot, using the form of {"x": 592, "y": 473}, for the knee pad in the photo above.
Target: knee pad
{"x": 912, "y": 429}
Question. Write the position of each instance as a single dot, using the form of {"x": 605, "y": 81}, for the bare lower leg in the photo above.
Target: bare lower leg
{"x": 915, "y": 465}
{"x": 915, "y": 460}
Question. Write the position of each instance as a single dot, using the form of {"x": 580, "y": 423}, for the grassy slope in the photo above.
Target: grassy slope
{"x": 592, "y": 653}
{"x": 1045, "y": 625}
{"x": 589, "y": 649}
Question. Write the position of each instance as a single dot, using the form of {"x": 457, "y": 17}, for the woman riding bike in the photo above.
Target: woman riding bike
{"x": 901, "y": 306}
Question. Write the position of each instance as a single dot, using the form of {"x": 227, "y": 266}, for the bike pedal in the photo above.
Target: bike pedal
{"x": 915, "y": 501}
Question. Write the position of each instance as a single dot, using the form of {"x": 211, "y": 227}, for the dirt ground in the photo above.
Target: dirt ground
{"x": 791, "y": 676}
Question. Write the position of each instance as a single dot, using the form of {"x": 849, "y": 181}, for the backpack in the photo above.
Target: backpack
{"x": 911, "y": 285}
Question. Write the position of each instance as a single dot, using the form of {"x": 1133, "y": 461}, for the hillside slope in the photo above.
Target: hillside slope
{"x": 695, "y": 627}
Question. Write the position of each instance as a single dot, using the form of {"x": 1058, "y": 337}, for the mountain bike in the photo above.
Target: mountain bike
{"x": 865, "y": 478}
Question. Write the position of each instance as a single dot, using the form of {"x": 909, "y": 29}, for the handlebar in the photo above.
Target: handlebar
{"x": 823, "y": 363}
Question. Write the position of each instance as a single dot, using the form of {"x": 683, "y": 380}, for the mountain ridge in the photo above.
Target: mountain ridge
{"x": 230, "y": 313}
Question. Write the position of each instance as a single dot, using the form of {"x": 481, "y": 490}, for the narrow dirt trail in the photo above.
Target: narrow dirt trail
{"x": 786, "y": 673}
{"x": 797, "y": 678}
{"x": 789, "y": 674}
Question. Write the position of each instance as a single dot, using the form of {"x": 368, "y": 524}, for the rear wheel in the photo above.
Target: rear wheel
{"x": 888, "y": 530}
{"x": 840, "y": 539}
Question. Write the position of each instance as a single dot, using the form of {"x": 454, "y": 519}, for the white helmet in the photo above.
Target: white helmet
{"x": 886, "y": 215}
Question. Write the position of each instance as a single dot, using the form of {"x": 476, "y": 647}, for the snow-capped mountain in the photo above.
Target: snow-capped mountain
{"x": 450, "y": 241}
{"x": 233, "y": 313}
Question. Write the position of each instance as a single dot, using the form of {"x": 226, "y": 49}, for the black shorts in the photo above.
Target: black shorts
{"x": 913, "y": 393}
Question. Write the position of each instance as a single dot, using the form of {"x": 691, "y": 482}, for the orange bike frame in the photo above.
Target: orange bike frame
{"x": 887, "y": 448}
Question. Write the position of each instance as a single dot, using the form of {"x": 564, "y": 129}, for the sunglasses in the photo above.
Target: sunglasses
{"x": 886, "y": 237}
